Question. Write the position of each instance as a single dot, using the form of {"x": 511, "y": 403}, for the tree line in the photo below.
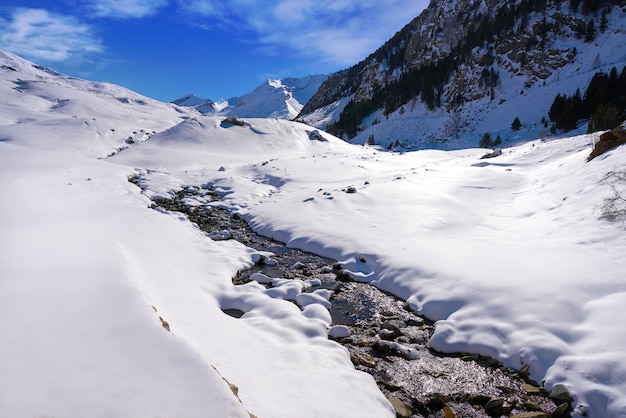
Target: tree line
{"x": 603, "y": 103}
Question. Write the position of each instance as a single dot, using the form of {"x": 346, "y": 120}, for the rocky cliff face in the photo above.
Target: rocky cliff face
{"x": 462, "y": 54}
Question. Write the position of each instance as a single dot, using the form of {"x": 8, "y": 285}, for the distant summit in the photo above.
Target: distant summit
{"x": 281, "y": 98}
{"x": 191, "y": 100}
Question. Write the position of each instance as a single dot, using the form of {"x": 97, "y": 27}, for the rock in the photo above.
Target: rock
{"x": 532, "y": 406}
{"x": 316, "y": 136}
{"x": 494, "y": 403}
{"x": 363, "y": 359}
{"x": 165, "y": 324}
{"x": 344, "y": 276}
{"x": 497, "y": 407}
{"x": 394, "y": 349}
{"x": 389, "y": 332}
{"x": 496, "y": 153}
{"x": 402, "y": 410}
{"x": 351, "y": 190}
{"x": 386, "y": 334}
{"x": 299, "y": 265}
{"x": 607, "y": 141}
{"x": 235, "y": 313}
{"x": 437, "y": 400}
{"x": 534, "y": 415}
{"x": 233, "y": 120}
{"x": 561, "y": 411}
{"x": 478, "y": 399}
{"x": 531, "y": 390}
{"x": 559, "y": 394}
{"x": 448, "y": 412}
{"x": 219, "y": 235}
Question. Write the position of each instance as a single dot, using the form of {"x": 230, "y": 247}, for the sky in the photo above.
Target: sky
{"x": 215, "y": 49}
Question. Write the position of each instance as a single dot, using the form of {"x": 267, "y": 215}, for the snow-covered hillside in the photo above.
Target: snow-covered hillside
{"x": 542, "y": 55}
{"x": 282, "y": 99}
{"x": 510, "y": 255}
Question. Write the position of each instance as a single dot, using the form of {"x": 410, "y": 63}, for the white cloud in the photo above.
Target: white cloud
{"x": 339, "y": 32}
{"x": 39, "y": 34}
{"x": 201, "y": 7}
{"x": 124, "y": 9}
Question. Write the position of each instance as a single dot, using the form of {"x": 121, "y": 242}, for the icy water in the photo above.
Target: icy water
{"x": 387, "y": 339}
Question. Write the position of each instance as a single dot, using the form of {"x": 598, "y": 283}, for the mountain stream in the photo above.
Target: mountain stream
{"x": 386, "y": 339}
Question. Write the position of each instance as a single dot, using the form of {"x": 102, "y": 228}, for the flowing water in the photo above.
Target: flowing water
{"x": 387, "y": 339}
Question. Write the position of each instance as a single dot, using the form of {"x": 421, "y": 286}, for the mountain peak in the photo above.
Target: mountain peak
{"x": 275, "y": 98}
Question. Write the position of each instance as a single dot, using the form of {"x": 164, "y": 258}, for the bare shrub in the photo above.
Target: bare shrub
{"x": 613, "y": 208}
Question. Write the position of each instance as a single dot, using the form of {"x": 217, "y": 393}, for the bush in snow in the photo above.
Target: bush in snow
{"x": 613, "y": 208}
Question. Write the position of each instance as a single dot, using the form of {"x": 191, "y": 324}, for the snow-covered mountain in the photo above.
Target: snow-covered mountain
{"x": 517, "y": 257}
{"x": 94, "y": 114}
{"x": 282, "y": 99}
{"x": 464, "y": 68}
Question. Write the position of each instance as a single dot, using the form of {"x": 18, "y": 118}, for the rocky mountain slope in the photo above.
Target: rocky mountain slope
{"x": 466, "y": 67}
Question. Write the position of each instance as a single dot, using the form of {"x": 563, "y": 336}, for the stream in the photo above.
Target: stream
{"x": 386, "y": 339}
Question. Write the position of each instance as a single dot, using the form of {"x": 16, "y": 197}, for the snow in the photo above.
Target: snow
{"x": 418, "y": 127}
{"x": 509, "y": 255}
{"x": 278, "y": 98}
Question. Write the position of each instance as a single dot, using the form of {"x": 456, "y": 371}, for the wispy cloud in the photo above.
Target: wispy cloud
{"x": 125, "y": 9}
{"x": 39, "y": 34}
{"x": 339, "y": 32}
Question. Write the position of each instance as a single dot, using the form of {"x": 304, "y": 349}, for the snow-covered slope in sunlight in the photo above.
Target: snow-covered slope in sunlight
{"x": 511, "y": 255}
{"x": 82, "y": 263}
{"x": 282, "y": 99}
{"x": 64, "y": 112}
{"x": 90, "y": 274}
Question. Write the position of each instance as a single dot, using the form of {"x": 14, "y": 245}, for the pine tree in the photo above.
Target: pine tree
{"x": 590, "y": 32}
{"x": 606, "y": 116}
{"x": 485, "y": 141}
{"x": 603, "y": 21}
{"x": 516, "y": 125}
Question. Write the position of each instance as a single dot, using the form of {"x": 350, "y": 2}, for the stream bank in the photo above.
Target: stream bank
{"x": 384, "y": 337}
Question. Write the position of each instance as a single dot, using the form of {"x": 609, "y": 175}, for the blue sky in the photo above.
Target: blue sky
{"x": 213, "y": 48}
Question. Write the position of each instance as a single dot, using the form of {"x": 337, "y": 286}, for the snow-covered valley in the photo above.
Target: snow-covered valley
{"x": 510, "y": 255}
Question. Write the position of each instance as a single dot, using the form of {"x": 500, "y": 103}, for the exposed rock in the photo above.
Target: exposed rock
{"x": 235, "y": 313}
{"x": 165, "y": 324}
{"x": 402, "y": 410}
{"x": 437, "y": 400}
{"x": 497, "y": 407}
{"x": 534, "y": 415}
{"x": 561, "y": 410}
{"x": 233, "y": 120}
{"x": 560, "y": 394}
{"x": 363, "y": 359}
{"x": 495, "y": 153}
{"x": 607, "y": 141}
{"x": 478, "y": 399}
{"x": 389, "y": 332}
{"x": 530, "y": 389}
{"x": 316, "y": 136}
{"x": 448, "y": 412}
